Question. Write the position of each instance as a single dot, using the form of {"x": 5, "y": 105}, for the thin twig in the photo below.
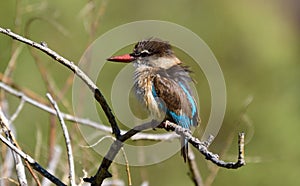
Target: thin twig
{"x": 36, "y": 166}
{"x": 123, "y": 153}
{"x": 201, "y": 147}
{"x": 241, "y": 142}
{"x": 16, "y": 48}
{"x": 87, "y": 122}
{"x": 20, "y": 169}
{"x": 195, "y": 173}
{"x": 25, "y": 91}
{"x": 97, "y": 142}
{"x": 7, "y": 165}
{"x": 12, "y": 63}
{"x": 17, "y": 112}
{"x": 96, "y": 19}
{"x": 70, "y": 65}
{"x": 37, "y": 151}
{"x": 214, "y": 170}
{"x": 9, "y": 179}
{"x": 67, "y": 141}
{"x": 29, "y": 164}
{"x": 127, "y": 166}
{"x": 47, "y": 79}
{"x": 52, "y": 164}
{"x": 103, "y": 172}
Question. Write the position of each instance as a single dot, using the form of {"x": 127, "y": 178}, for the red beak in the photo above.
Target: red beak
{"x": 126, "y": 58}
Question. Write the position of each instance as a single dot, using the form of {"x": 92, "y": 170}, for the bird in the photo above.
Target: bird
{"x": 162, "y": 84}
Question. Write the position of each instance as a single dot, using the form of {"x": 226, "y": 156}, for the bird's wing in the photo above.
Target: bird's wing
{"x": 180, "y": 105}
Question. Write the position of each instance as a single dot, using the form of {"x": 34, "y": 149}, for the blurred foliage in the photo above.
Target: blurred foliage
{"x": 255, "y": 42}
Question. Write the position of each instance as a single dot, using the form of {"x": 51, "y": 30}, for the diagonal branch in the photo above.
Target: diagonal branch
{"x": 20, "y": 169}
{"x": 70, "y": 65}
{"x": 36, "y": 166}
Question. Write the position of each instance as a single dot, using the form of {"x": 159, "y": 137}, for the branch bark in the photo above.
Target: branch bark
{"x": 103, "y": 172}
{"x": 67, "y": 141}
{"x": 36, "y": 166}
{"x": 84, "y": 121}
{"x": 20, "y": 169}
{"x": 75, "y": 69}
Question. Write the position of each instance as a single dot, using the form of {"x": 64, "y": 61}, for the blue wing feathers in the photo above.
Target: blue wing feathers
{"x": 185, "y": 120}
{"x": 173, "y": 96}
{"x": 182, "y": 120}
{"x": 190, "y": 99}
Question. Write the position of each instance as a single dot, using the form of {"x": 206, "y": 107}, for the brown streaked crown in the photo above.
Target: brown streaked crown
{"x": 152, "y": 46}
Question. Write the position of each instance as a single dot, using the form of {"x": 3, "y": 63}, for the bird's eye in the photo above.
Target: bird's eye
{"x": 144, "y": 53}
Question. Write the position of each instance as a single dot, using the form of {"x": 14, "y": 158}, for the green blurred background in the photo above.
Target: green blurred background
{"x": 256, "y": 44}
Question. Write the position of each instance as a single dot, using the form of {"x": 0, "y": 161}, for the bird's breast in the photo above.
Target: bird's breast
{"x": 143, "y": 86}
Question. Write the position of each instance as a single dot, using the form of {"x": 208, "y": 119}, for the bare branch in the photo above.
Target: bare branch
{"x": 67, "y": 140}
{"x": 241, "y": 157}
{"x": 52, "y": 164}
{"x": 9, "y": 179}
{"x": 201, "y": 146}
{"x": 103, "y": 172}
{"x": 36, "y": 166}
{"x": 195, "y": 173}
{"x": 127, "y": 166}
{"x": 17, "y": 112}
{"x": 70, "y": 65}
{"x": 87, "y": 122}
{"x": 20, "y": 169}
{"x": 12, "y": 63}
{"x": 20, "y": 153}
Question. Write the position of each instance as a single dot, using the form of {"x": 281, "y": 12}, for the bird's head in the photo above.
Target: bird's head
{"x": 151, "y": 52}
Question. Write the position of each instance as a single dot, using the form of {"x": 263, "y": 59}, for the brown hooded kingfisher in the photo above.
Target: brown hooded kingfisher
{"x": 161, "y": 83}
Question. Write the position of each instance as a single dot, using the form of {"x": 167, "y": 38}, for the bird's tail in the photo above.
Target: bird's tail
{"x": 184, "y": 147}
